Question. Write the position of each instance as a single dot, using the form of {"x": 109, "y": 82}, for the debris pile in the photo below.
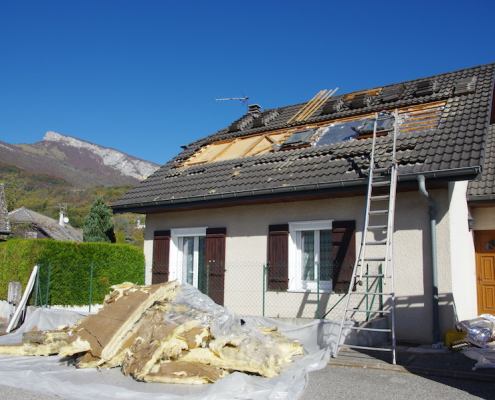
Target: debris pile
{"x": 38, "y": 343}
{"x": 480, "y": 333}
{"x": 172, "y": 334}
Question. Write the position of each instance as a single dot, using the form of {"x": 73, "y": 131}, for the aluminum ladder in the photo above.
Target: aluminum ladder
{"x": 373, "y": 277}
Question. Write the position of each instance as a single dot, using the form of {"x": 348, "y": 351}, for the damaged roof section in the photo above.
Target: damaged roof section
{"x": 425, "y": 116}
{"x": 443, "y": 127}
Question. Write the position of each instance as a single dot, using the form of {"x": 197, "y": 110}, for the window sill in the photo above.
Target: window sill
{"x": 310, "y": 291}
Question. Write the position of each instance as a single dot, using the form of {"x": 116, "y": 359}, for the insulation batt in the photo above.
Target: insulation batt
{"x": 38, "y": 343}
{"x": 155, "y": 335}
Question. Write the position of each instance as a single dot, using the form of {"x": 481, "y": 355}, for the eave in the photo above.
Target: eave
{"x": 283, "y": 193}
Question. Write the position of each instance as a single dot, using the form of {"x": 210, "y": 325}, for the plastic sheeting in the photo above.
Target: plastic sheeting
{"x": 52, "y": 375}
{"x": 43, "y": 319}
{"x": 485, "y": 357}
{"x": 480, "y": 330}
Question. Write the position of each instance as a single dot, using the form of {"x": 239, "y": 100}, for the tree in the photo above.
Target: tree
{"x": 98, "y": 225}
{"x": 12, "y": 188}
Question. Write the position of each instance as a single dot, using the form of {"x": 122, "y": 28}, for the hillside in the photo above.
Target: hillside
{"x": 45, "y": 193}
{"x": 80, "y": 163}
{"x": 65, "y": 170}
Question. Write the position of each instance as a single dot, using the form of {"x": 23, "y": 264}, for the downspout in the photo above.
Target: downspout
{"x": 434, "y": 271}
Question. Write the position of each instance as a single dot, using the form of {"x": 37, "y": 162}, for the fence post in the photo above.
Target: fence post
{"x": 36, "y": 286}
{"x": 207, "y": 279}
{"x": 90, "y": 287}
{"x": 318, "y": 290}
{"x": 380, "y": 289}
{"x": 367, "y": 291}
{"x": 144, "y": 274}
{"x": 264, "y": 283}
{"x": 48, "y": 283}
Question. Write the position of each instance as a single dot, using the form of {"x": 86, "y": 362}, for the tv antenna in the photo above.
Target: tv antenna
{"x": 243, "y": 100}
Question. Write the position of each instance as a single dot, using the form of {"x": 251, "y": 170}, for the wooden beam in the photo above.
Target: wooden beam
{"x": 303, "y": 107}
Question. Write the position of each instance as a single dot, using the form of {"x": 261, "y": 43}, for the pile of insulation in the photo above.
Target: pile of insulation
{"x": 38, "y": 343}
{"x": 174, "y": 334}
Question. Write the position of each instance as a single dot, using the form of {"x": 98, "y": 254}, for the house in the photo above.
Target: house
{"x": 4, "y": 220}
{"x": 247, "y": 213}
{"x": 28, "y": 224}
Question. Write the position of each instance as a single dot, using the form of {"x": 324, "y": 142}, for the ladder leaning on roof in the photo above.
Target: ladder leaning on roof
{"x": 373, "y": 274}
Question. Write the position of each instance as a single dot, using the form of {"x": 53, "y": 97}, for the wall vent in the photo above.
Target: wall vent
{"x": 427, "y": 87}
{"x": 392, "y": 93}
{"x": 333, "y": 105}
{"x": 241, "y": 124}
{"x": 360, "y": 101}
{"x": 465, "y": 85}
{"x": 265, "y": 118}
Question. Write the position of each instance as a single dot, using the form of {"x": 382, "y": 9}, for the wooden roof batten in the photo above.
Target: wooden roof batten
{"x": 422, "y": 116}
{"x": 311, "y": 106}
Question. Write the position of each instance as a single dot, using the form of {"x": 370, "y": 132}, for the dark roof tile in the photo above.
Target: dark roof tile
{"x": 458, "y": 142}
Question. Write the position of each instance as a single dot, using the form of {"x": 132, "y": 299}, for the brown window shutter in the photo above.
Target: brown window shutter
{"x": 278, "y": 257}
{"x": 215, "y": 261}
{"x": 161, "y": 252}
{"x": 344, "y": 253}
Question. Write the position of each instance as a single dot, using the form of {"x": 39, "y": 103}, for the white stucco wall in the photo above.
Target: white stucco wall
{"x": 246, "y": 254}
{"x": 462, "y": 256}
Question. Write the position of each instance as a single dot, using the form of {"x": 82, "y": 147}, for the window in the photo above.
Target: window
{"x": 31, "y": 235}
{"x": 490, "y": 245}
{"x": 299, "y": 138}
{"x": 192, "y": 255}
{"x": 187, "y": 257}
{"x": 310, "y": 255}
{"x": 298, "y": 250}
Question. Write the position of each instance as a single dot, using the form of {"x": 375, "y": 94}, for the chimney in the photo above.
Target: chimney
{"x": 62, "y": 219}
{"x": 254, "y": 109}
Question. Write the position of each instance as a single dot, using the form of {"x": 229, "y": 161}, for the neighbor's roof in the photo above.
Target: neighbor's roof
{"x": 47, "y": 224}
{"x": 4, "y": 220}
{"x": 483, "y": 191}
{"x": 453, "y": 149}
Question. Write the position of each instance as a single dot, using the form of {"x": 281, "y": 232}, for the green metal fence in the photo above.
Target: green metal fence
{"x": 81, "y": 284}
{"x": 243, "y": 288}
{"x": 251, "y": 289}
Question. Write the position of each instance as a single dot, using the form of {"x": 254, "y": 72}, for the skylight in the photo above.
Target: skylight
{"x": 299, "y": 138}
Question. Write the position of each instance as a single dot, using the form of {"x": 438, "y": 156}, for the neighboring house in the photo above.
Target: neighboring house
{"x": 285, "y": 187}
{"x": 28, "y": 224}
{"x": 4, "y": 220}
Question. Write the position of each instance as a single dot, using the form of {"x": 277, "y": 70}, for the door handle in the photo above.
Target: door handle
{"x": 479, "y": 279}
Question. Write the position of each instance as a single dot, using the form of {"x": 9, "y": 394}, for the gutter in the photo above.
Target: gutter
{"x": 434, "y": 269}
{"x": 356, "y": 184}
{"x": 481, "y": 199}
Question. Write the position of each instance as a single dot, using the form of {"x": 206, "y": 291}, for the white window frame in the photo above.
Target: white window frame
{"x": 176, "y": 255}
{"x": 296, "y": 284}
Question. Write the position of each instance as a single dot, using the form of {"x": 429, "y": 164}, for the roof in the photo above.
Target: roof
{"x": 482, "y": 191}
{"x": 453, "y": 150}
{"x": 4, "y": 220}
{"x": 47, "y": 224}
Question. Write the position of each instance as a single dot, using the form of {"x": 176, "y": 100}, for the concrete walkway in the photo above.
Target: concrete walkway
{"x": 416, "y": 360}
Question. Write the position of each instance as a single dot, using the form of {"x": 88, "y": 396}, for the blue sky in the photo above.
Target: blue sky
{"x": 142, "y": 76}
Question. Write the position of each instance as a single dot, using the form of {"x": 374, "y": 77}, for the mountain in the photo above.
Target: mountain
{"x": 76, "y": 161}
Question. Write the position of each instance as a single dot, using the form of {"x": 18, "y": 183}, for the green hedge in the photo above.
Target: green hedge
{"x": 66, "y": 269}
